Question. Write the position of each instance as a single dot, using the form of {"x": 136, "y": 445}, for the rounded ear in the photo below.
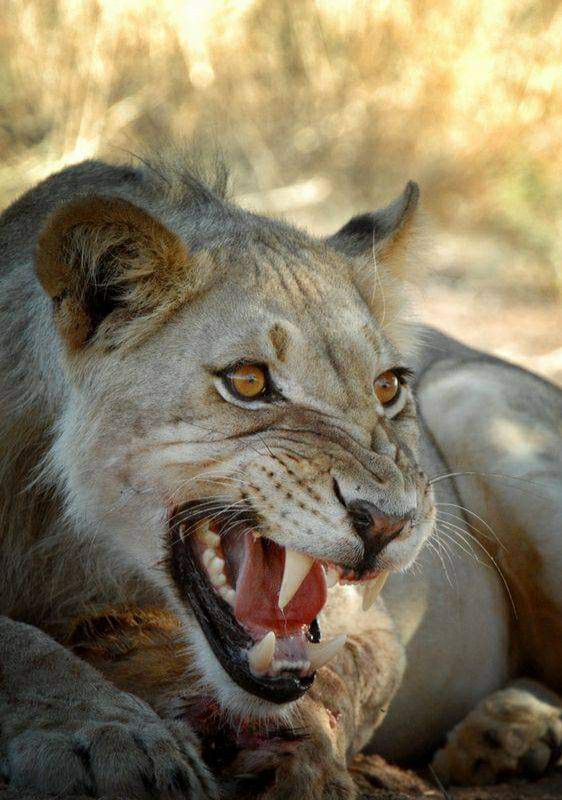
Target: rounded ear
{"x": 105, "y": 263}
{"x": 382, "y": 246}
{"x": 382, "y": 234}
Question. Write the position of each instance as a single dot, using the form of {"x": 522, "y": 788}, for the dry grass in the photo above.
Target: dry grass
{"x": 324, "y": 107}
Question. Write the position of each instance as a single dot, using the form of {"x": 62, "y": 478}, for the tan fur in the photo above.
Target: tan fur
{"x": 120, "y": 249}
{"x": 279, "y": 340}
{"x": 137, "y": 297}
{"x": 115, "y": 413}
{"x": 138, "y": 649}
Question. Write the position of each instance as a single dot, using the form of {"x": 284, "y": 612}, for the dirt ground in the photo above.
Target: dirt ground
{"x": 378, "y": 780}
{"x": 381, "y": 781}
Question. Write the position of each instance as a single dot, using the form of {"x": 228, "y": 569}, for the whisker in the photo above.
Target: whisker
{"x": 211, "y": 477}
{"x": 434, "y": 548}
{"x": 464, "y": 546}
{"x": 462, "y": 534}
{"x": 474, "y": 514}
{"x": 244, "y": 443}
{"x": 497, "y": 475}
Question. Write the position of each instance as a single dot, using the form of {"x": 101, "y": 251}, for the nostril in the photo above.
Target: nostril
{"x": 337, "y": 492}
{"x": 361, "y": 515}
{"x": 375, "y": 528}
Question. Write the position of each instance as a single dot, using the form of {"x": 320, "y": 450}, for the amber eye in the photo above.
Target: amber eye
{"x": 247, "y": 381}
{"x": 387, "y": 387}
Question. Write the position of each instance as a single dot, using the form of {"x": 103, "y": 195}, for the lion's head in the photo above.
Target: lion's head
{"x": 238, "y": 415}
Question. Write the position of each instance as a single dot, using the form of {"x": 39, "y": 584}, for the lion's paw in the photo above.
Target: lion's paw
{"x": 514, "y": 731}
{"x": 136, "y": 755}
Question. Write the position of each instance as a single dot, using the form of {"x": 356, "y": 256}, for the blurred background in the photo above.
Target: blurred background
{"x": 324, "y": 108}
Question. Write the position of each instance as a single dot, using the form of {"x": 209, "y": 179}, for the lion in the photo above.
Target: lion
{"x": 222, "y": 437}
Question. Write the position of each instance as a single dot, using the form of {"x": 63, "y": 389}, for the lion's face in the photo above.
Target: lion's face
{"x": 254, "y": 449}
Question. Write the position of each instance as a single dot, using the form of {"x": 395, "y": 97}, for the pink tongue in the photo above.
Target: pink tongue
{"x": 257, "y": 591}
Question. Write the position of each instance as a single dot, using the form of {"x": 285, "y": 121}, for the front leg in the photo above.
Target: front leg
{"x": 66, "y": 730}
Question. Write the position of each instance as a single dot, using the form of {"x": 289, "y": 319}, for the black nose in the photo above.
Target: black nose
{"x": 375, "y": 528}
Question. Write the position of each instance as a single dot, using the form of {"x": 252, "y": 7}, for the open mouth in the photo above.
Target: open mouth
{"x": 256, "y": 602}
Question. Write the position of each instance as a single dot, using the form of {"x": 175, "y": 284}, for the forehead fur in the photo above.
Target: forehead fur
{"x": 267, "y": 245}
{"x": 223, "y": 243}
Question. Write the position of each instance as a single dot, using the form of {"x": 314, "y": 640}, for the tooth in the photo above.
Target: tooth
{"x": 373, "y": 589}
{"x": 297, "y": 567}
{"x": 206, "y": 535}
{"x": 320, "y": 654}
{"x": 261, "y": 654}
{"x": 332, "y": 577}
{"x": 212, "y": 539}
{"x": 207, "y": 557}
{"x": 216, "y": 565}
{"x": 219, "y": 580}
{"x": 230, "y": 596}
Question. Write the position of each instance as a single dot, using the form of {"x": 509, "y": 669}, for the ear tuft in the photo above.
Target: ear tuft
{"x": 106, "y": 264}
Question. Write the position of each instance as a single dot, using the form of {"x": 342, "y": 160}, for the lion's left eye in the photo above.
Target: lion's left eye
{"x": 387, "y": 387}
{"x": 247, "y": 381}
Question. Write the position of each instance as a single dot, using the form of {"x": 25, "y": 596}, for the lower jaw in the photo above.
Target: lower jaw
{"x": 283, "y": 688}
{"x": 228, "y": 641}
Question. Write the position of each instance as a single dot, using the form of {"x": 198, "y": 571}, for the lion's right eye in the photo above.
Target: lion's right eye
{"x": 247, "y": 381}
{"x": 387, "y": 387}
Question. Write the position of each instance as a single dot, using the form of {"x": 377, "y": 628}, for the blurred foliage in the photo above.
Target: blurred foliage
{"x": 324, "y": 108}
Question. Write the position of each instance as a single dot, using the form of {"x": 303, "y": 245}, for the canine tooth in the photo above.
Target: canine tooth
{"x": 261, "y": 654}
{"x": 332, "y": 577}
{"x": 297, "y": 567}
{"x": 319, "y": 654}
{"x": 373, "y": 589}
